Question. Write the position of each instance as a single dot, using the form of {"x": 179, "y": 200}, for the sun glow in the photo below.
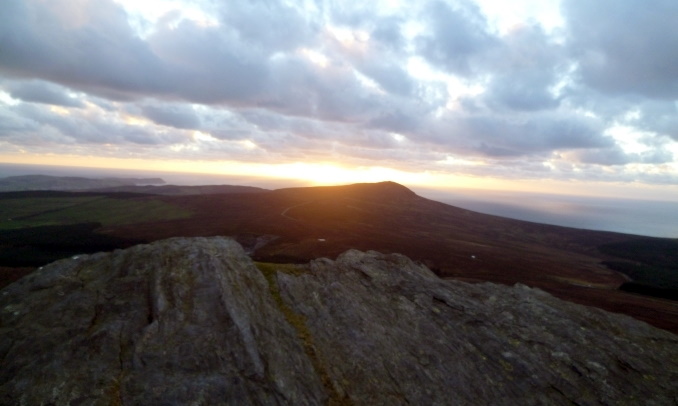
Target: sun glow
{"x": 315, "y": 57}
{"x": 59, "y": 110}
{"x": 327, "y": 174}
{"x": 332, "y": 174}
{"x": 135, "y": 120}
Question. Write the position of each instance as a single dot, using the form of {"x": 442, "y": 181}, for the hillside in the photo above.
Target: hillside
{"x": 45, "y": 182}
{"x": 171, "y": 190}
{"x": 195, "y": 321}
{"x": 301, "y": 224}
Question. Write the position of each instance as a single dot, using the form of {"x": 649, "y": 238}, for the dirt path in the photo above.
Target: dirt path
{"x": 284, "y": 212}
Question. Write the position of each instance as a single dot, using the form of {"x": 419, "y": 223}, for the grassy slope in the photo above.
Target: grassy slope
{"x": 40, "y": 227}
{"x": 651, "y": 263}
{"x": 41, "y": 211}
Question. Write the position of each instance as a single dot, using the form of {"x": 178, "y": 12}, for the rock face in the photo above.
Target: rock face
{"x": 194, "y": 321}
{"x": 183, "y": 321}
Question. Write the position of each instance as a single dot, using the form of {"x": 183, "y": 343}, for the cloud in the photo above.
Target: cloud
{"x": 12, "y": 124}
{"x": 625, "y": 46}
{"x": 391, "y": 76}
{"x": 177, "y": 116}
{"x": 207, "y": 65}
{"x": 269, "y": 25}
{"x": 458, "y": 36}
{"x": 525, "y": 68}
{"x": 91, "y": 48}
{"x": 43, "y": 92}
{"x": 602, "y": 156}
{"x": 511, "y": 136}
{"x": 411, "y": 85}
{"x": 239, "y": 63}
{"x": 615, "y": 155}
{"x": 84, "y": 127}
{"x": 660, "y": 117}
{"x": 388, "y": 32}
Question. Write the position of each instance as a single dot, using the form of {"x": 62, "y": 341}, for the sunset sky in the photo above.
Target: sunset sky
{"x": 570, "y": 96}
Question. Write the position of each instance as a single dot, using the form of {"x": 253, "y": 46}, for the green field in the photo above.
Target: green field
{"x": 18, "y": 213}
{"x": 40, "y": 227}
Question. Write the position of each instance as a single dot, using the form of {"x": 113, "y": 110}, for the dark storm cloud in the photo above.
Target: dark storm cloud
{"x": 42, "y": 92}
{"x": 625, "y": 46}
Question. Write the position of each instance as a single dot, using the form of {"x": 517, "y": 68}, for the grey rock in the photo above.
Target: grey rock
{"x": 194, "y": 321}
{"x": 391, "y": 332}
{"x": 182, "y": 321}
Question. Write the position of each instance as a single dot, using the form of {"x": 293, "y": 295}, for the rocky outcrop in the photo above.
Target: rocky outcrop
{"x": 194, "y": 321}
{"x": 182, "y": 321}
{"x": 391, "y": 332}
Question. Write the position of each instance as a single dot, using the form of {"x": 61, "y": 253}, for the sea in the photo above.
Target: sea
{"x": 652, "y": 218}
{"x": 631, "y": 216}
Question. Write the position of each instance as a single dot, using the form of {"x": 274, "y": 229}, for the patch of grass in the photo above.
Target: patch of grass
{"x": 659, "y": 277}
{"x": 664, "y": 293}
{"x": 17, "y": 213}
{"x": 656, "y": 252}
{"x": 109, "y": 211}
{"x": 652, "y": 264}
{"x": 33, "y": 212}
{"x": 36, "y": 246}
{"x": 298, "y": 321}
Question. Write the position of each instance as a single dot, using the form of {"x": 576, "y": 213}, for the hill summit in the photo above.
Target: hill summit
{"x": 380, "y": 191}
{"x": 195, "y": 321}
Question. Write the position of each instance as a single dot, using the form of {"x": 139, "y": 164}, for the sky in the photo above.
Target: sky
{"x": 569, "y": 96}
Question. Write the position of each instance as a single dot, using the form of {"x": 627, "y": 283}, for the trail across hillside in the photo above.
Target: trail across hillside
{"x": 284, "y": 212}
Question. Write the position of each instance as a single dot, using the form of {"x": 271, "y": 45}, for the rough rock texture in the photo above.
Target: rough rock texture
{"x": 193, "y": 321}
{"x": 182, "y": 321}
{"x": 391, "y": 332}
